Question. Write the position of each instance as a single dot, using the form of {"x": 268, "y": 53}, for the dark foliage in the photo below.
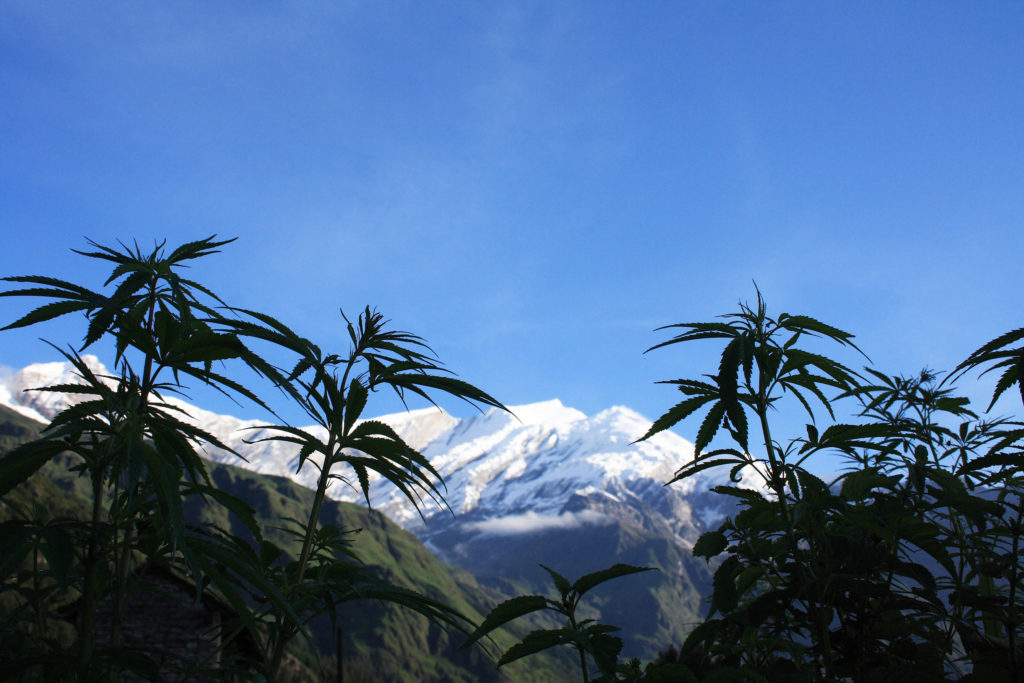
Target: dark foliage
{"x": 906, "y": 567}
{"x": 140, "y": 456}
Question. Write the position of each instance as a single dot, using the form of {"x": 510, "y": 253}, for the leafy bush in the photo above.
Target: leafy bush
{"x": 586, "y": 636}
{"x": 907, "y": 565}
{"x": 140, "y": 456}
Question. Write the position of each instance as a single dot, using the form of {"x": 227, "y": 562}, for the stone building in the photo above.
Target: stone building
{"x": 163, "y": 617}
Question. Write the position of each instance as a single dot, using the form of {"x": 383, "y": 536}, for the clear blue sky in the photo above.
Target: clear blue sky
{"x": 534, "y": 187}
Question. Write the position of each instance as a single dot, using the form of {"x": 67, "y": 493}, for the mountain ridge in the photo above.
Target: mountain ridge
{"x": 522, "y": 488}
{"x": 483, "y": 459}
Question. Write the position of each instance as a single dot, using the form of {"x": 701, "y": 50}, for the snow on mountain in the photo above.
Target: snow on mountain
{"x": 544, "y": 465}
{"x": 16, "y": 391}
{"x": 8, "y": 400}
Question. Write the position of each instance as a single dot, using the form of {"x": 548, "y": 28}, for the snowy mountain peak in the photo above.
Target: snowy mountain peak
{"x": 56, "y": 372}
{"x": 549, "y": 412}
{"x": 544, "y": 458}
{"x": 541, "y": 482}
{"x": 16, "y": 391}
{"x": 419, "y": 427}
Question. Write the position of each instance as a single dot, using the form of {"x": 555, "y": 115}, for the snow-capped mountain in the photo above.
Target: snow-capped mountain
{"x": 542, "y": 465}
{"x": 545, "y": 484}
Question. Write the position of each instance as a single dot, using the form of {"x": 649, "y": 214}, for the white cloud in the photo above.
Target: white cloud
{"x": 531, "y": 521}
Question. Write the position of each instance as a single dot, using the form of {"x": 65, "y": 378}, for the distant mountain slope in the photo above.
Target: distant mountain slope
{"x": 382, "y": 642}
{"x": 547, "y": 485}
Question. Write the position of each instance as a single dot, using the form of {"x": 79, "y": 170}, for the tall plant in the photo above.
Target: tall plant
{"x": 141, "y": 456}
{"x": 588, "y": 637}
{"x": 333, "y": 390}
{"x": 133, "y": 446}
{"x": 891, "y": 569}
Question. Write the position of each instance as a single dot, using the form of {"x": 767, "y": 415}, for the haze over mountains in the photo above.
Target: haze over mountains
{"x": 546, "y": 485}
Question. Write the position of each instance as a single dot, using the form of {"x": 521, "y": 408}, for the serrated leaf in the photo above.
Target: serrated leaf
{"x": 709, "y": 427}
{"x": 561, "y": 583}
{"x": 710, "y": 543}
{"x": 1014, "y": 374}
{"x": 982, "y": 354}
{"x": 24, "y": 461}
{"x": 675, "y": 414}
{"x": 48, "y": 312}
{"x": 1014, "y": 460}
{"x": 457, "y": 388}
{"x": 857, "y": 485}
{"x": 47, "y": 282}
{"x": 812, "y": 434}
{"x": 728, "y": 368}
{"x": 748, "y": 495}
{"x": 588, "y": 581}
{"x": 697, "y": 331}
{"x": 738, "y": 421}
{"x": 532, "y": 643}
{"x": 506, "y": 612}
{"x": 694, "y": 467}
{"x": 605, "y": 650}
{"x": 807, "y": 324}
{"x": 748, "y": 356}
{"x": 355, "y": 402}
{"x": 724, "y": 596}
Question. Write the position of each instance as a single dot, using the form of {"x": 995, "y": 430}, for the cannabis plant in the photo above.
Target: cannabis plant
{"x": 132, "y": 445}
{"x": 333, "y": 390}
{"x": 899, "y": 567}
{"x": 141, "y": 455}
{"x": 586, "y": 636}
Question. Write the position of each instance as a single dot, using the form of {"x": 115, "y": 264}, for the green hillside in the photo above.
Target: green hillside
{"x": 379, "y": 637}
{"x": 652, "y": 609}
{"x": 380, "y": 641}
{"x": 58, "y": 490}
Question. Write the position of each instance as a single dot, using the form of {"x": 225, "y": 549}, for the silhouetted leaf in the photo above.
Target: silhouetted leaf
{"x": 533, "y": 642}
{"x": 48, "y": 312}
{"x": 710, "y": 543}
{"x": 675, "y": 414}
{"x": 709, "y": 427}
{"x": 561, "y": 583}
{"x": 693, "y": 468}
{"x": 25, "y": 460}
{"x": 506, "y": 612}
{"x": 588, "y": 581}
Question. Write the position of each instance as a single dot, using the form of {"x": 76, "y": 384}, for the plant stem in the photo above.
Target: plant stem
{"x": 583, "y": 664}
{"x": 819, "y": 609}
{"x": 86, "y": 636}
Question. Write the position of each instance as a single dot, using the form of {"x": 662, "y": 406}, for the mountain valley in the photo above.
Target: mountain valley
{"x": 543, "y": 485}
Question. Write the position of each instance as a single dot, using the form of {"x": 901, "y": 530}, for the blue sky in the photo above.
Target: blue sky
{"x": 534, "y": 187}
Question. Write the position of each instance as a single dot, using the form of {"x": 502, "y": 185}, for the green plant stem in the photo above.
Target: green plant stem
{"x": 322, "y": 482}
{"x": 314, "y": 515}
{"x": 583, "y": 663}
{"x": 570, "y": 612}
{"x": 1011, "y": 624}
{"x": 120, "y": 595}
{"x": 123, "y": 566}
{"x": 37, "y": 590}
{"x": 86, "y": 635}
{"x": 123, "y": 556}
{"x": 288, "y": 629}
{"x": 819, "y": 609}
{"x": 307, "y": 548}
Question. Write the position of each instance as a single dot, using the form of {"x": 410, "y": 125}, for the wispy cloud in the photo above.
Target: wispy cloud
{"x": 532, "y": 522}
